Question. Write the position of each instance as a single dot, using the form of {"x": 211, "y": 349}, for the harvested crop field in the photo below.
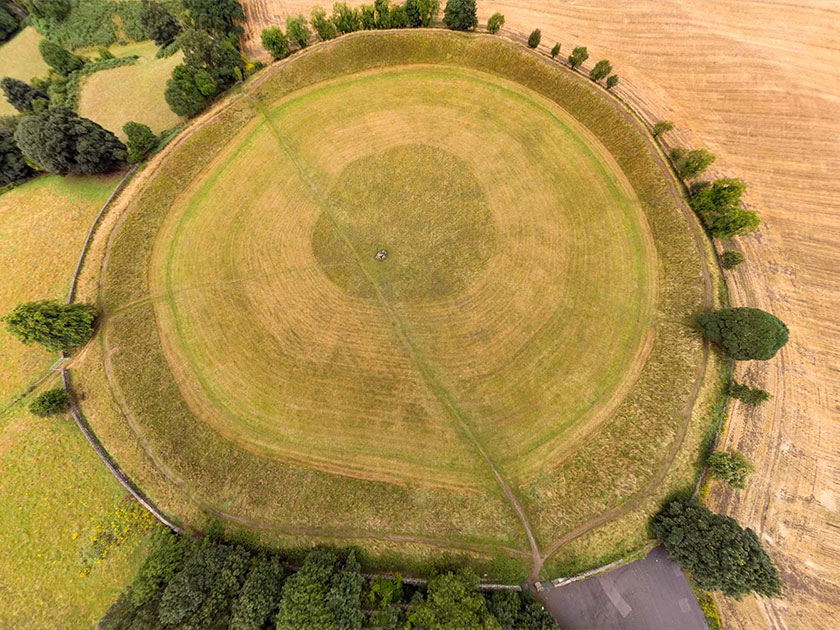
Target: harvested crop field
{"x": 20, "y": 59}
{"x": 476, "y": 389}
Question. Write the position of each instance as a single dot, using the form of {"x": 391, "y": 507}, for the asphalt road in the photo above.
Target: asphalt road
{"x": 649, "y": 594}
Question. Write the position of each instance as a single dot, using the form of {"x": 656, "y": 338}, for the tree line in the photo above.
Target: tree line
{"x": 211, "y": 584}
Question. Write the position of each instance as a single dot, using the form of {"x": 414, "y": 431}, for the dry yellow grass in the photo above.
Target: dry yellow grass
{"x": 20, "y": 58}
{"x": 757, "y": 83}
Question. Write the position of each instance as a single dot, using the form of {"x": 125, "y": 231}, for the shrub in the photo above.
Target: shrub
{"x": 158, "y": 23}
{"x": 730, "y": 259}
{"x": 346, "y": 19}
{"x": 9, "y": 23}
{"x": 662, "y": 126}
{"x": 422, "y": 12}
{"x": 219, "y": 17}
{"x": 22, "y": 96}
{"x": 260, "y": 595}
{"x": 495, "y": 23}
{"x": 54, "y": 325}
{"x": 534, "y": 38}
{"x": 274, "y": 40}
{"x": 298, "y": 31}
{"x": 62, "y": 142}
{"x": 692, "y": 163}
{"x": 719, "y": 205}
{"x": 188, "y": 90}
{"x": 719, "y": 554}
{"x": 13, "y": 166}
{"x": 600, "y": 70}
{"x": 744, "y": 333}
{"x": 612, "y": 81}
{"x": 555, "y": 50}
{"x": 731, "y": 467}
{"x": 141, "y": 140}
{"x": 460, "y": 15}
{"x": 752, "y": 396}
{"x": 323, "y": 26}
{"x": 58, "y": 57}
{"x": 50, "y": 403}
{"x": 578, "y": 56}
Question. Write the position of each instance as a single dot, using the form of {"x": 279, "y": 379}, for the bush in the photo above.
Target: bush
{"x": 600, "y": 70}
{"x": 58, "y": 57}
{"x": 555, "y": 50}
{"x": 54, "y": 325}
{"x": 158, "y": 23}
{"x": 298, "y": 31}
{"x": 50, "y": 403}
{"x": 460, "y": 15}
{"x": 13, "y": 166}
{"x": 716, "y": 551}
{"x": 612, "y": 81}
{"x": 662, "y": 126}
{"x": 719, "y": 205}
{"x": 578, "y": 56}
{"x": 141, "y": 140}
{"x": 9, "y": 23}
{"x": 422, "y": 12}
{"x": 62, "y": 142}
{"x": 274, "y": 40}
{"x": 323, "y": 26}
{"x": 495, "y": 23}
{"x": 692, "y": 163}
{"x": 346, "y": 19}
{"x": 752, "y": 396}
{"x": 731, "y": 467}
{"x": 730, "y": 259}
{"x": 744, "y": 333}
{"x": 534, "y": 38}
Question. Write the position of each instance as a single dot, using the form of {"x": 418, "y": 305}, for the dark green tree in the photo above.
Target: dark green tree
{"x": 600, "y": 70}
{"x": 719, "y": 205}
{"x": 716, "y": 551}
{"x": 141, "y": 140}
{"x": 382, "y": 9}
{"x": 515, "y": 611}
{"x": 495, "y": 23}
{"x": 578, "y": 56}
{"x": 210, "y": 578}
{"x": 189, "y": 90}
{"x": 534, "y": 38}
{"x": 422, "y": 12}
{"x": 61, "y": 141}
{"x": 9, "y": 23}
{"x": 744, "y": 333}
{"x": 320, "y": 596}
{"x": 217, "y": 56}
{"x": 167, "y": 558}
{"x": 612, "y": 81}
{"x": 13, "y": 166}
{"x": 460, "y": 15}
{"x": 58, "y": 57}
{"x": 50, "y": 403}
{"x": 555, "y": 50}
{"x": 51, "y": 10}
{"x": 297, "y": 31}
{"x": 322, "y": 24}
{"x": 752, "y": 396}
{"x": 730, "y": 259}
{"x": 274, "y": 40}
{"x": 398, "y": 17}
{"x": 453, "y": 601}
{"x": 260, "y": 595}
{"x": 692, "y": 163}
{"x": 662, "y": 126}
{"x": 54, "y": 325}
{"x": 158, "y": 23}
{"x": 346, "y": 19}
{"x": 367, "y": 17}
{"x": 731, "y": 467}
{"x": 220, "y": 17}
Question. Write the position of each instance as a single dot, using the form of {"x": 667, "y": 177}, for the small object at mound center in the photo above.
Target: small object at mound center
{"x": 381, "y": 255}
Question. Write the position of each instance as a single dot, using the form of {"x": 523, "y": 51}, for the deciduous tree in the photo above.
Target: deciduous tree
{"x": 189, "y": 89}
{"x": 752, "y": 396}
{"x": 555, "y": 50}
{"x": 534, "y": 38}
{"x": 731, "y": 259}
{"x": 689, "y": 164}
{"x": 58, "y": 57}
{"x": 217, "y": 16}
{"x": 297, "y": 31}
{"x": 346, "y": 19}
{"x": 731, "y": 467}
{"x": 612, "y": 81}
{"x": 141, "y": 140}
{"x": 158, "y": 23}
{"x": 719, "y": 205}
{"x": 662, "y": 126}
{"x": 422, "y": 12}
{"x": 495, "y": 23}
{"x": 216, "y": 56}
{"x": 274, "y": 40}
{"x": 260, "y": 595}
{"x": 52, "y": 402}
{"x": 322, "y": 24}
{"x": 744, "y": 333}
{"x": 578, "y": 56}
{"x": 600, "y": 70}
{"x": 460, "y": 15}
{"x": 453, "y": 601}
{"x": 54, "y": 325}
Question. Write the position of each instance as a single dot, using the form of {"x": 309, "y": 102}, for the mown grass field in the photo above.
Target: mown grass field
{"x": 19, "y": 58}
{"x": 54, "y": 492}
{"x": 134, "y": 92}
{"x": 305, "y": 389}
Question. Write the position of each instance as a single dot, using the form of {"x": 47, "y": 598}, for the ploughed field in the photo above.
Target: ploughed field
{"x": 520, "y": 359}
